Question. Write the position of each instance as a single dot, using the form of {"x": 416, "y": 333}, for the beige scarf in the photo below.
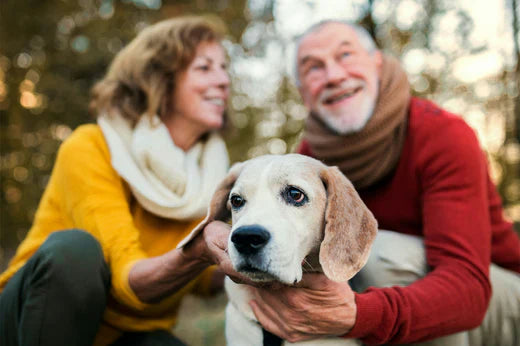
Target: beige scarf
{"x": 165, "y": 180}
{"x": 369, "y": 155}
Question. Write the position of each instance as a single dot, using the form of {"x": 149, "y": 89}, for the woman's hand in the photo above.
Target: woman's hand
{"x": 211, "y": 246}
{"x": 318, "y": 307}
{"x": 155, "y": 278}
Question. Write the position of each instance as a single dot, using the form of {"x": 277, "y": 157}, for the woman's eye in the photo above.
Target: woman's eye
{"x": 236, "y": 201}
{"x": 203, "y": 67}
{"x": 295, "y": 196}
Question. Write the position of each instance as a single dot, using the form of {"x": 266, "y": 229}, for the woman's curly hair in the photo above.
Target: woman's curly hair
{"x": 140, "y": 79}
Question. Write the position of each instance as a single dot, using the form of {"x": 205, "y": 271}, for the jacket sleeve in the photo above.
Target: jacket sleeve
{"x": 94, "y": 199}
{"x": 455, "y": 294}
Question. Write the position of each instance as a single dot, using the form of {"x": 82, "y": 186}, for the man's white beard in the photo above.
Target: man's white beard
{"x": 347, "y": 122}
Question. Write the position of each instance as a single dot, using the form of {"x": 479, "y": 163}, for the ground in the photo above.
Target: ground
{"x": 201, "y": 321}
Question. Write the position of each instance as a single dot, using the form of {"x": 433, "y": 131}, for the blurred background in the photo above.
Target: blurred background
{"x": 462, "y": 54}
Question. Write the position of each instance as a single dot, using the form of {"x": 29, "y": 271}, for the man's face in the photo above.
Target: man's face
{"x": 339, "y": 78}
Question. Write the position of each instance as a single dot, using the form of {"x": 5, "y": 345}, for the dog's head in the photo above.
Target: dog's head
{"x": 285, "y": 208}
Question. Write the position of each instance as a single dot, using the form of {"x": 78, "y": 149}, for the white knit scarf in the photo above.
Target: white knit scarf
{"x": 164, "y": 179}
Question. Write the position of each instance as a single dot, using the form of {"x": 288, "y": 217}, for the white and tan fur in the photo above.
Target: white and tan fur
{"x": 332, "y": 232}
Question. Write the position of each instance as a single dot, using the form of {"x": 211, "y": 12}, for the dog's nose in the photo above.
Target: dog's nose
{"x": 249, "y": 240}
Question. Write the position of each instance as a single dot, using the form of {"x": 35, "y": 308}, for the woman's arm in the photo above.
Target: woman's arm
{"x": 94, "y": 199}
{"x": 155, "y": 278}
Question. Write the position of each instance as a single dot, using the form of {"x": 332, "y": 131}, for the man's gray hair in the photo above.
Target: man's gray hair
{"x": 364, "y": 37}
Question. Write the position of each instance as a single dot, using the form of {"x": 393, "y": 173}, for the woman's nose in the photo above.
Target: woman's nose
{"x": 222, "y": 79}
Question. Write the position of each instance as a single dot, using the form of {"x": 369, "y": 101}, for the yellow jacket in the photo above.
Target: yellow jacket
{"x": 85, "y": 192}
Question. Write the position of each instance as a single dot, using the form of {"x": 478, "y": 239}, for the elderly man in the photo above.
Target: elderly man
{"x": 421, "y": 172}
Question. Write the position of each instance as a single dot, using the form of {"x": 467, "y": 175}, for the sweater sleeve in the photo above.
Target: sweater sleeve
{"x": 454, "y": 295}
{"x": 93, "y": 197}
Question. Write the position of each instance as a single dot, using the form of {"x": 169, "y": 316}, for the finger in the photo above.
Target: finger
{"x": 283, "y": 301}
{"x": 235, "y": 276}
{"x": 314, "y": 281}
{"x": 271, "y": 285}
{"x": 266, "y": 296}
{"x": 272, "y": 321}
{"x": 268, "y": 320}
{"x": 217, "y": 232}
{"x": 220, "y": 224}
{"x": 226, "y": 266}
{"x": 221, "y": 257}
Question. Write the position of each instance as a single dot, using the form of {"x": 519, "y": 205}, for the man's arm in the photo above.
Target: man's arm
{"x": 452, "y": 174}
{"x": 454, "y": 295}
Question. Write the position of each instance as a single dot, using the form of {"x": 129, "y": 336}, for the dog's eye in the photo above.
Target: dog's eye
{"x": 295, "y": 196}
{"x": 236, "y": 201}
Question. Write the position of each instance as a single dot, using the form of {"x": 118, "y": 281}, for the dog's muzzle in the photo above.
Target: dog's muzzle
{"x": 249, "y": 240}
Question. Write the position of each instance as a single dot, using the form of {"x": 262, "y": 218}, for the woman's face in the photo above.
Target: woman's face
{"x": 201, "y": 91}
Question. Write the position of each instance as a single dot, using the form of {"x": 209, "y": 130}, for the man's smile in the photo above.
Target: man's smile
{"x": 334, "y": 99}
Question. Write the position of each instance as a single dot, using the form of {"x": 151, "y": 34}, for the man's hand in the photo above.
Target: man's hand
{"x": 318, "y": 307}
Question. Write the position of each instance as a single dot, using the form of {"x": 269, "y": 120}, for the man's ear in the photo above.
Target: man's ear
{"x": 217, "y": 209}
{"x": 350, "y": 228}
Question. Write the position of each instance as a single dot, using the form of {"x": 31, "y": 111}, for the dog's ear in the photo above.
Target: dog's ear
{"x": 217, "y": 209}
{"x": 350, "y": 228}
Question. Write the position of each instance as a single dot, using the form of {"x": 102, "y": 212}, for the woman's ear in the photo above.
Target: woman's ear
{"x": 217, "y": 209}
{"x": 350, "y": 228}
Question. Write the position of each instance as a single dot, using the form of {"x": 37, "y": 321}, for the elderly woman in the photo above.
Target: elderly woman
{"x": 99, "y": 264}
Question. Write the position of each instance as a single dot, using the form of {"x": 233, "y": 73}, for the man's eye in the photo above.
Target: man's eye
{"x": 294, "y": 196}
{"x": 313, "y": 68}
{"x": 345, "y": 55}
{"x": 236, "y": 201}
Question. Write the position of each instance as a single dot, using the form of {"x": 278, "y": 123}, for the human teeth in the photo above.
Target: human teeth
{"x": 340, "y": 97}
{"x": 216, "y": 101}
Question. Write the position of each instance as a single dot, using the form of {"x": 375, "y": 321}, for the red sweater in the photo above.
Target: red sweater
{"x": 440, "y": 190}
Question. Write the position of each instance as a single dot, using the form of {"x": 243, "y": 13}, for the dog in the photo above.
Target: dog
{"x": 287, "y": 211}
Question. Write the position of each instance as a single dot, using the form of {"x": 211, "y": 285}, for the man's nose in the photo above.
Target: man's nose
{"x": 336, "y": 73}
